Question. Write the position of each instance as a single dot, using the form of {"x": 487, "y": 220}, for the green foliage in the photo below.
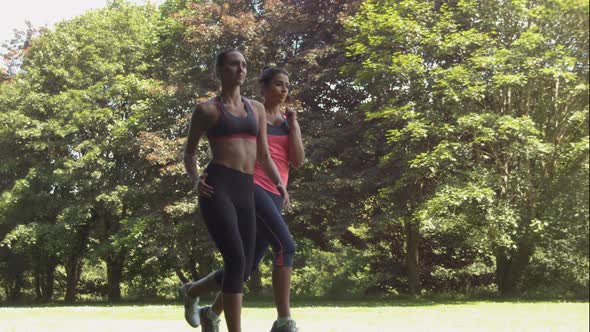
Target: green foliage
{"x": 341, "y": 272}
{"x": 477, "y": 111}
{"x": 447, "y": 146}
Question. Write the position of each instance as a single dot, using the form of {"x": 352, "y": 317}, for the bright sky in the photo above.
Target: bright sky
{"x": 44, "y": 12}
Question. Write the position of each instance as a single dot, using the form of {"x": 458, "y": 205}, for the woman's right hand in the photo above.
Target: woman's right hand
{"x": 285, "y": 195}
{"x": 202, "y": 188}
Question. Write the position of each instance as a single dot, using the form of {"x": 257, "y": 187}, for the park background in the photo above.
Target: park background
{"x": 447, "y": 148}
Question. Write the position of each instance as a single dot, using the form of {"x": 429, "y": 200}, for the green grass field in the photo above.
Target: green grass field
{"x": 407, "y": 316}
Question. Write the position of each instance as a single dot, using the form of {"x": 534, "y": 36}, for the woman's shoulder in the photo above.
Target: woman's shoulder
{"x": 206, "y": 109}
{"x": 256, "y": 105}
{"x": 208, "y": 104}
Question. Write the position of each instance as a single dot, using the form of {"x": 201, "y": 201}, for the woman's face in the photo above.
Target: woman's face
{"x": 277, "y": 90}
{"x": 233, "y": 69}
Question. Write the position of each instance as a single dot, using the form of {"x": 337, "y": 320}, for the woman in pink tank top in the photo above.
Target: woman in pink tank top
{"x": 286, "y": 150}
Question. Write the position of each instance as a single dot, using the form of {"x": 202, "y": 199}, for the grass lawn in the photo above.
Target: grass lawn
{"x": 321, "y": 317}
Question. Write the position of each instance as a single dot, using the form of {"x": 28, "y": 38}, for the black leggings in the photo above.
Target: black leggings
{"x": 270, "y": 229}
{"x": 231, "y": 221}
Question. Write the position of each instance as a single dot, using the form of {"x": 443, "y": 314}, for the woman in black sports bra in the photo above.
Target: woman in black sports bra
{"x": 236, "y": 130}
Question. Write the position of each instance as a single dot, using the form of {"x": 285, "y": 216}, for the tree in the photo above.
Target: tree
{"x": 270, "y": 32}
{"x": 480, "y": 103}
{"x": 94, "y": 97}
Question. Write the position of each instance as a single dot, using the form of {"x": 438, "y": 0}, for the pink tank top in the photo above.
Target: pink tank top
{"x": 278, "y": 146}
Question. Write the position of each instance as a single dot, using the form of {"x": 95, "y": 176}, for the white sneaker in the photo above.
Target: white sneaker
{"x": 289, "y": 326}
{"x": 191, "y": 306}
{"x": 209, "y": 324}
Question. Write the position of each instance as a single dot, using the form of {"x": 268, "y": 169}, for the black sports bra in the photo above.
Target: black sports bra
{"x": 231, "y": 126}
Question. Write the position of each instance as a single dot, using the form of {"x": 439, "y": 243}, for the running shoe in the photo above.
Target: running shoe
{"x": 208, "y": 324}
{"x": 287, "y": 327}
{"x": 191, "y": 306}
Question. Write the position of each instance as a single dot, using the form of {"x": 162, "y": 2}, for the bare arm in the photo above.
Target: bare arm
{"x": 296, "y": 151}
{"x": 201, "y": 119}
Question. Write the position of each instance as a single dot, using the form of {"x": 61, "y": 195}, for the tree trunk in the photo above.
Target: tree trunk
{"x": 16, "y": 267}
{"x": 73, "y": 266}
{"x": 16, "y": 288}
{"x": 44, "y": 279}
{"x": 114, "y": 274}
{"x": 206, "y": 264}
{"x": 192, "y": 267}
{"x": 181, "y": 276}
{"x": 47, "y": 283}
{"x": 510, "y": 268}
{"x": 412, "y": 262}
{"x": 38, "y": 276}
{"x": 73, "y": 260}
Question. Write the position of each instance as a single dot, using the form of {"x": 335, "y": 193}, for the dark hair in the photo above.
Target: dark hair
{"x": 269, "y": 72}
{"x": 221, "y": 56}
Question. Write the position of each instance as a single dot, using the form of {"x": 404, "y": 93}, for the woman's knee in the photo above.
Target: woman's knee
{"x": 247, "y": 274}
{"x": 235, "y": 263}
{"x": 248, "y": 270}
{"x": 233, "y": 274}
{"x": 290, "y": 246}
{"x": 285, "y": 253}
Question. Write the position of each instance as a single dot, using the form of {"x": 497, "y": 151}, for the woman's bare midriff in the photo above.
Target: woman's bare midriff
{"x": 235, "y": 153}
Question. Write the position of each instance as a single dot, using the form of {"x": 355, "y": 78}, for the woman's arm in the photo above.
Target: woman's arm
{"x": 201, "y": 119}
{"x": 296, "y": 151}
